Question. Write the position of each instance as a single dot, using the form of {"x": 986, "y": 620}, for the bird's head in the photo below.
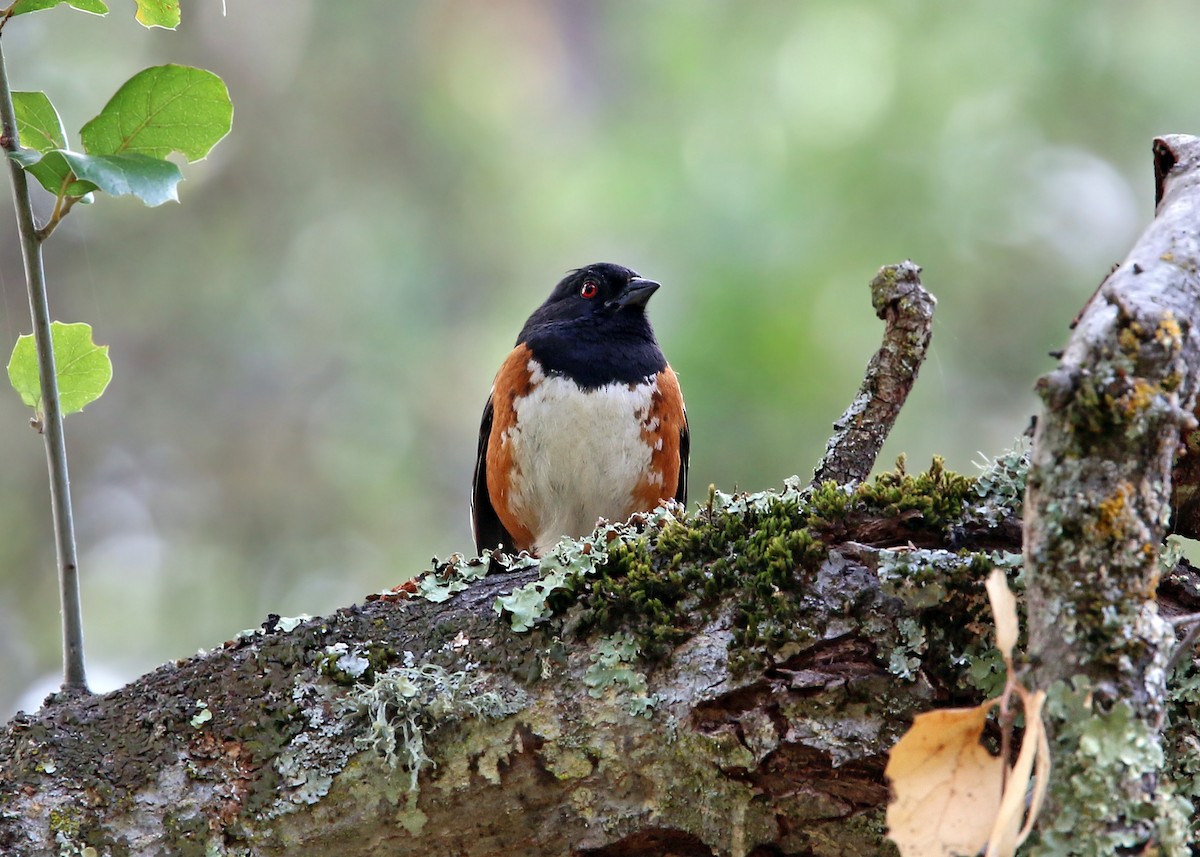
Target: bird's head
{"x": 593, "y": 327}
{"x": 598, "y": 292}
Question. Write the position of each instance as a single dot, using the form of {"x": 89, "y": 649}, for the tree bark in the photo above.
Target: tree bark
{"x": 552, "y": 741}
{"x": 901, "y": 301}
{"x": 1097, "y": 513}
{"x": 727, "y": 682}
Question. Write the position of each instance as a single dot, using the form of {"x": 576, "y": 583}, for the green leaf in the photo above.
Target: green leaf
{"x": 82, "y": 366}
{"x": 160, "y": 110}
{"x": 50, "y": 172}
{"x": 158, "y": 13}
{"x": 38, "y": 124}
{"x": 152, "y": 180}
{"x": 96, "y": 7}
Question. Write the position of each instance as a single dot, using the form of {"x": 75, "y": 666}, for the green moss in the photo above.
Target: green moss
{"x": 938, "y": 495}
{"x": 762, "y": 561}
{"x": 187, "y": 834}
{"x": 664, "y": 583}
{"x": 67, "y": 827}
{"x": 864, "y": 834}
{"x": 663, "y": 588}
{"x": 64, "y": 822}
{"x": 265, "y": 742}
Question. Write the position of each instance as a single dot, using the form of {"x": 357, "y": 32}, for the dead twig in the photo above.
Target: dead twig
{"x": 902, "y": 302}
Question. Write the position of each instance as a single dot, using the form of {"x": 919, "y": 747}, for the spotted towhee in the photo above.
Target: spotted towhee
{"x": 585, "y": 419}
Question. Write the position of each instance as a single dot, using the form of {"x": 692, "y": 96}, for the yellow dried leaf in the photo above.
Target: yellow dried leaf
{"x": 1008, "y": 832}
{"x": 946, "y": 785}
{"x": 1004, "y": 609}
{"x": 1041, "y": 774}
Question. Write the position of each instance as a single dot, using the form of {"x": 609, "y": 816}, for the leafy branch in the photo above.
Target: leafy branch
{"x": 161, "y": 111}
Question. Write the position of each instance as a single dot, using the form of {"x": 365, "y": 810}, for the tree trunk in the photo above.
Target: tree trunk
{"x": 723, "y": 682}
{"x": 1097, "y": 511}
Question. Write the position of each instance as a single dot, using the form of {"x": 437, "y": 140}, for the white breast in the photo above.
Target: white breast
{"x": 578, "y": 455}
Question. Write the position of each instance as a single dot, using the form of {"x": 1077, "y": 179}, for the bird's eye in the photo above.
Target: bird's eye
{"x": 589, "y": 289}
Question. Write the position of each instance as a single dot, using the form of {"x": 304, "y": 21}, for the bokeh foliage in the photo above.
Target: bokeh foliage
{"x": 304, "y": 348}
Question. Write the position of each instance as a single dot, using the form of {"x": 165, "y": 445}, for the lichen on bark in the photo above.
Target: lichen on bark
{"x": 1095, "y": 520}
{"x": 580, "y": 733}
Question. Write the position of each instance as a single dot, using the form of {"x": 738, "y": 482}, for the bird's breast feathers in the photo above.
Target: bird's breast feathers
{"x": 574, "y": 455}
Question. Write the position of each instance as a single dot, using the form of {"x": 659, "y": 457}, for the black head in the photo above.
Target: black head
{"x": 597, "y": 294}
{"x": 593, "y": 327}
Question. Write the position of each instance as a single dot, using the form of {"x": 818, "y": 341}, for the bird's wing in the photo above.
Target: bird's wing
{"x": 489, "y": 532}
{"x": 685, "y": 448}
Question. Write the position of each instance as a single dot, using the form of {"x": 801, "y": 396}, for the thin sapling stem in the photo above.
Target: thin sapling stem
{"x": 74, "y": 676}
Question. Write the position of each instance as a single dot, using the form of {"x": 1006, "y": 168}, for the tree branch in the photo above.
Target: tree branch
{"x": 1095, "y": 519}
{"x": 902, "y": 302}
{"x": 418, "y": 727}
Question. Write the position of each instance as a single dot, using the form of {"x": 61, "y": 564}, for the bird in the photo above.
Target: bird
{"x": 585, "y": 419}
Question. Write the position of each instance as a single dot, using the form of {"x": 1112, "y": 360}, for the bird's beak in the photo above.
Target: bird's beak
{"x": 636, "y": 292}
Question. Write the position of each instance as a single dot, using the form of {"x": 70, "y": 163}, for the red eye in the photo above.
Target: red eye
{"x": 589, "y": 290}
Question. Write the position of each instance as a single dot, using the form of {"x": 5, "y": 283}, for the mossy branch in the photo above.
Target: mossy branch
{"x": 683, "y": 681}
{"x": 1095, "y": 518}
{"x": 726, "y": 682}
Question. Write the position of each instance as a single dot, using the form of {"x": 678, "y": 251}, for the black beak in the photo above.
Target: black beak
{"x": 636, "y": 292}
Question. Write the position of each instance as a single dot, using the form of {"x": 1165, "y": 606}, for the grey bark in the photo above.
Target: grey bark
{"x": 1096, "y": 515}
{"x": 907, "y": 308}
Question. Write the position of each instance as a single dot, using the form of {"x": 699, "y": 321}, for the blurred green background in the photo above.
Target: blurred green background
{"x": 304, "y": 346}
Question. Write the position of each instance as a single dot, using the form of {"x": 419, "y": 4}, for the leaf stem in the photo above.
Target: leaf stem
{"x": 62, "y": 205}
{"x": 74, "y": 676}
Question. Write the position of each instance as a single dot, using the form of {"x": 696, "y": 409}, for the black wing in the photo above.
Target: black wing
{"x": 489, "y": 532}
{"x": 685, "y": 448}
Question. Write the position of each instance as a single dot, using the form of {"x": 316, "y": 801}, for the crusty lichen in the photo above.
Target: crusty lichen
{"x": 406, "y": 704}
{"x": 1098, "y": 506}
{"x": 1100, "y": 745}
{"x": 1114, "y": 400}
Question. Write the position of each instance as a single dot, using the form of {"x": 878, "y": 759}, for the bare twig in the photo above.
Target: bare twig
{"x": 1183, "y": 647}
{"x": 902, "y": 302}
